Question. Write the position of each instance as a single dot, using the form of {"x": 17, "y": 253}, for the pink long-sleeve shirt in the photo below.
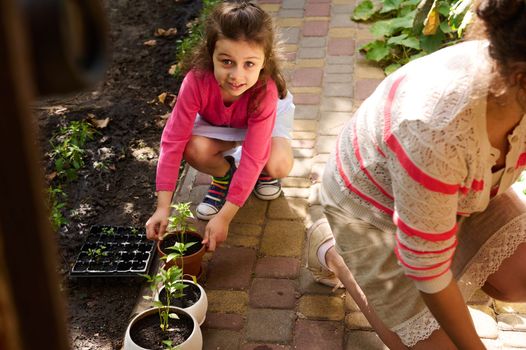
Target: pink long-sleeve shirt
{"x": 200, "y": 93}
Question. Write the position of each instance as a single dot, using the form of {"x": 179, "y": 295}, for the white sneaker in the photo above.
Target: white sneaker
{"x": 267, "y": 188}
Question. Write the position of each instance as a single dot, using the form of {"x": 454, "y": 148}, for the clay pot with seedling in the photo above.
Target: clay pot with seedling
{"x": 182, "y": 245}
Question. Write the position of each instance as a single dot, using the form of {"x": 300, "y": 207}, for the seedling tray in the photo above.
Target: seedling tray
{"x": 114, "y": 251}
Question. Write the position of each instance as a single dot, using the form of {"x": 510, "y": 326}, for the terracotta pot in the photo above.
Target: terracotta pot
{"x": 193, "y": 342}
{"x": 191, "y": 263}
{"x": 198, "y": 309}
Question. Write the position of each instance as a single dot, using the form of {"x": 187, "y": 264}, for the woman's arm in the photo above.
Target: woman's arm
{"x": 452, "y": 314}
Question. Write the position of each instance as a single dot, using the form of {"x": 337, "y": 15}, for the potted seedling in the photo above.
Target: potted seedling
{"x": 164, "y": 326}
{"x": 182, "y": 245}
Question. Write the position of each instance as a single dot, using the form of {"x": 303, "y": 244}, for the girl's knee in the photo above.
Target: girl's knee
{"x": 279, "y": 167}
{"x": 196, "y": 148}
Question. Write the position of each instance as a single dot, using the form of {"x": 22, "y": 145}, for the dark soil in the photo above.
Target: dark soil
{"x": 122, "y": 193}
{"x": 147, "y": 333}
{"x": 192, "y": 293}
{"x": 171, "y": 239}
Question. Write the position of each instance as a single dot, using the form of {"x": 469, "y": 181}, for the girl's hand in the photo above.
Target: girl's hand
{"x": 215, "y": 232}
{"x": 157, "y": 223}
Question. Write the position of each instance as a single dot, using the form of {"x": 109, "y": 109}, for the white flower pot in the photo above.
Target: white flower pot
{"x": 194, "y": 341}
{"x": 198, "y": 310}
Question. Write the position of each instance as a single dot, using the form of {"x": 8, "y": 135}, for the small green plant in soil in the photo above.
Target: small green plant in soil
{"x": 98, "y": 252}
{"x": 56, "y": 204}
{"x": 108, "y": 231}
{"x": 408, "y": 29}
{"x": 68, "y": 148}
{"x": 179, "y": 221}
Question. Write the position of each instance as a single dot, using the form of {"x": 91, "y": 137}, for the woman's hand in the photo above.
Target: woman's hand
{"x": 157, "y": 223}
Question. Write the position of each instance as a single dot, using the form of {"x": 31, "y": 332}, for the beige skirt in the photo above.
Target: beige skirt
{"x": 484, "y": 241}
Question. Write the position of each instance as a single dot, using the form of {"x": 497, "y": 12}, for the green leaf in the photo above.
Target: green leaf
{"x": 431, "y": 43}
{"x": 364, "y": 11}
{"x": 173, "y": 316}
{"x": 389, "y": 27}
{"x": 390, "y": 5}
{"x": 376, "y": 50}
{"x": 391, "y": 68}
{"x": 443, "y": 8}
{"x": 444, "y": 27}
{"x": 404, "y": 40}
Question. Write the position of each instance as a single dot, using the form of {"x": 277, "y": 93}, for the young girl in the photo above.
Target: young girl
{"x": 230, "y": 95}
{"x": 418, "y": 190}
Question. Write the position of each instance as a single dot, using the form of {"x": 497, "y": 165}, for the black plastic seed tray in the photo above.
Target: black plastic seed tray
{"x": 114, "y": 251}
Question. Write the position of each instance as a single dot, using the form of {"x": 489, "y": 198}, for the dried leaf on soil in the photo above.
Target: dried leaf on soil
{"x": 162, "y": 97}
{"x": 98, "y": 123}
{"x": 152, "y": 42}
{"x": 165, "y": 32}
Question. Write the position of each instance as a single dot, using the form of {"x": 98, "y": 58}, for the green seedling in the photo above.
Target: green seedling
{"x": 168, "y": 345}
{"x": 134, "y": 231}
{"x": 55, "y": 194}
{"x": 98, "y": 252}
{"x": 108, "y": 231}
{"x": 178, "y": 221}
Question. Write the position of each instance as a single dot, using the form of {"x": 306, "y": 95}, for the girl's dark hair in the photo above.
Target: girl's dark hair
{"x": 240, "y": 20}
{"x": 504, "y": 24}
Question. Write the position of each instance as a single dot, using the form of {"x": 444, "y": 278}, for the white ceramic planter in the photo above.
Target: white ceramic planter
{"x": 194, "y": 341}
{"x": 198, "y": 310}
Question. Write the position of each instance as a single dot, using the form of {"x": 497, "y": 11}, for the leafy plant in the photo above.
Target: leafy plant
{"x": 179, "y": 222}
{"x": 409, "y": 29}
{"x": 108, "y": 231}
{"x": 55, "y": 194}
{"x": 97, "y": 252}
{"x": 67, "y": 148}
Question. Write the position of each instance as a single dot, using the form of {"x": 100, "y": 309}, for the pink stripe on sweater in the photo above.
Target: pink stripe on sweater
{"x": 521, "y": 161}
{"x": 347, "y": 182}
{"x": 358, "y": 155}
{"x": 423, "y": 252}
{"x": 427, "y": 278}
{"x": 433, "y": 237}
{"x": 419, "y": 268}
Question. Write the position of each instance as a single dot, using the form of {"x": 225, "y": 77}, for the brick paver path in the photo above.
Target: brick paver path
{"x": 261, "y": 297}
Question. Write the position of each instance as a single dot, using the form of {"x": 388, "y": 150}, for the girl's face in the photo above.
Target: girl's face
{"x": 237, "y": 64}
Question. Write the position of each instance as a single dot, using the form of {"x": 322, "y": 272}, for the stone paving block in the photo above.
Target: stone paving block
{"x": 291, "y": 13}
{"x": 342, "y": 20}
{"x": 513, "y": 339}
{"x": 365, "y": 87}
{"x": 339, "y": 90}
{"x": 485, "y": 325}
{"x": 350, "y": 304}
{"x": 287, "y": 208}
{"x": 261, "y": 346}
{"x": 275, "y": 326}
{"x": 202, "y": 179}
{"x": 316, "y": 173}
{"x": 325, "y": 144}
{"x": 493, "y": 344}
{"x": 480, "y": 298}
{"x": 336, "y": 104}
{"x": 269, "y": 1}
{"x": 315, "y": 28}
{"x": 295, "y": 182}
{"x": 310, "y": 63}
{"x": 341, "y": 47}
{"x": 339, "y": 69}
{"x": 277, "y": 267}
{"x": 307, "y": 77}
{"x": 305, "y": 89}
{"x": 289, "y": 22}
{"x": 363, "y": 340}
{"x": 336, "y": 60}
{"x": 290, "y": 35}
{"x": 283, "y": 238}
{"x": 293, "y": 4}
{"x": 301, "y": 167}
{"x": 315, "y": 213}
{"x": 317, "y": 10}
{"x": 305, "y": 125}
{"x": 342, "y": 32}
{"x": 198, "y": 193}
{"x": 357, "y": 320}
{"x": 321, "y": 158}
{"x": 302, "y": 143}
{"x": 322, "y": 307}
{"x": 302, "y": 153}
{"x": 314, "y": 42}
{"x": 511, "y": 322}
{"x": 215, "y": 339}
{"x": 316, "y": 335}
{"x": 309, "y": 112}
{"x": 271, "y": 8}
{"x": 237, "y": 228}
{"x": 306, "y": 99}
{"x": 290, "y": 47}
{"x": 303, "y": 135}
{"x": 310, "y": 52}
{"x": 226, "y": 301}
{"x": 510, "y": 308}
{"x": 253, "y": 212}
{"x": 367, "y": 70}
{"x": 318, "y": 1}
{"x": 272, "y": 293}
{"x": 333, "y": 122}
{"x": 242, "y": 241}
{"x": 296, "y": 192}
{"x": 233, "y": 322}
{"x": 342, "y": 9}
{"x": 330, "y": 79}
{"x": 231, "y": 268}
